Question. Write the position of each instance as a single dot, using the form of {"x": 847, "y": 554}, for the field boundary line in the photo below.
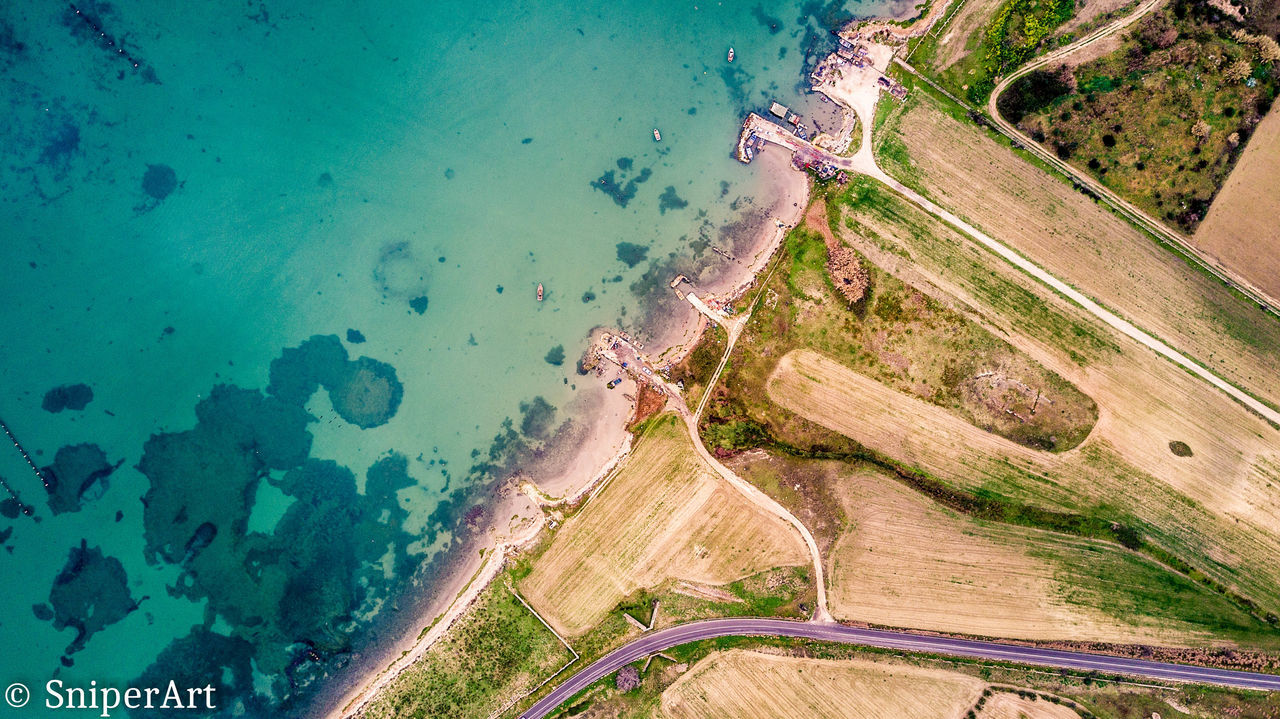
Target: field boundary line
{"x": 543, "y": 683}
{"x": 940, "y": 25}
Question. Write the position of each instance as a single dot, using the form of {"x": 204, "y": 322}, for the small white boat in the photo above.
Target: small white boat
{"x": 657, "y": 136}
{"x": 730, "y": 54}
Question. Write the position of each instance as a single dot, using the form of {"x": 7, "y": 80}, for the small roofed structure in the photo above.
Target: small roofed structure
{"x": 777, "y": 109}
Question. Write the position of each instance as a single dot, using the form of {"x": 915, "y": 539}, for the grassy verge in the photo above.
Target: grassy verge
{"x": 696, "y": 368}
{"x": 1016, "y": 31}
{"x": 784, "y": 592}
{"x": 495, "y": 651}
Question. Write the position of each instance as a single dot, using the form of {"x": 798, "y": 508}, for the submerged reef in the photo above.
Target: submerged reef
{"x": 364, "y": 392}
{"x": 669, "y": 200}
{"x": 62, "y": 144}
{"x": 631, "y": 254}
{"x": 203, "y": 658}
{"x": 291, "y": 596}
{"x": 624, "y": 190}
{"x": 207, "y": 475}
{"x": 67, "y": 396}
{"x": 400, "y": 273}
{"x": 555, "y": 356}
{"x": 539, "y": 418}
{"x": 79, "y": 472}
{"x": 369, "y": 395}
{"x": 159, "y": 181}
{"x": 90, "y": 594}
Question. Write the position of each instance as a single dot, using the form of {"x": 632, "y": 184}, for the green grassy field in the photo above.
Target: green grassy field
{"x": 987, "y": 40}
{"x": 905, "y": 340}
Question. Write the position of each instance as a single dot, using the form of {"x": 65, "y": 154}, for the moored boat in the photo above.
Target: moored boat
{"x": 730, "y": 54}
{"x": 539, "y": 291}
{"x": 657, "y": 136}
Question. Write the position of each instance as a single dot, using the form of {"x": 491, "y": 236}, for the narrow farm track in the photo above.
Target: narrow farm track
{"x": 1134, "y": 214}
{"x": 747, "y": 489}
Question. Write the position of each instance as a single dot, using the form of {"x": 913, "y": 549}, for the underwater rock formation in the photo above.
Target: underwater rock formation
{"x": 67, "y": 396}
{"x": 400, "y": 273}
{"x": 624, "y": 190}
{"x": 632, "y": 254}
{"x": 364, "y": 392}
{"x": 90, "y": 594}
{"x": 203, "y": 658}
{"x": 293, "y": 594}
{"x": 79, "y": 472}
{"x": 159, "y": 181}
{"x": 669, "y": 200}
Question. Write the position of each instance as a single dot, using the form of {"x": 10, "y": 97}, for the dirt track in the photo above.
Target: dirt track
{"x": 1138, "y": 216}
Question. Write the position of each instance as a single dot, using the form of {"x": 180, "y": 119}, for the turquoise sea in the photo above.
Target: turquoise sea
{"x": 267, "y": 300}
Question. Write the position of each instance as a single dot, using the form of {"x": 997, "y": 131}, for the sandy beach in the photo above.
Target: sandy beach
{"x": 592, "y": 442}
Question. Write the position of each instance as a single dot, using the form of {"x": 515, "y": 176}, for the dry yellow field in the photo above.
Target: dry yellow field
{"x": 1011, "y": 706}
{"x": 1240, "y": 229}
{"x": 664, "y": 517}
{"x": 1230, "y": 530}
{"x": 906, "y": 561}
{"x": 1070, "y": 236}
{"x": 747, "y": 684}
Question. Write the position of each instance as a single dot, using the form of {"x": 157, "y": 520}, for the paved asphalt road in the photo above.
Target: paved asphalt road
{"x": 710, "y": 629}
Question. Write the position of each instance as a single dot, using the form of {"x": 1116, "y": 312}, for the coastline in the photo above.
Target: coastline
{"x": 466, "y": 579}
{"x": 596, "y": 431}
{"x": 595, "y": 441}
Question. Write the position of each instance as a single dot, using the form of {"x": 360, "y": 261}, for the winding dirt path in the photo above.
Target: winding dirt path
{"x": 735, "y": 328}
{"x": 1132, "y": 212}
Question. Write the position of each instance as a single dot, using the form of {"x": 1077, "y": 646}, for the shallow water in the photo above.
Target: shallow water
{"x": 288, "y": 170}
